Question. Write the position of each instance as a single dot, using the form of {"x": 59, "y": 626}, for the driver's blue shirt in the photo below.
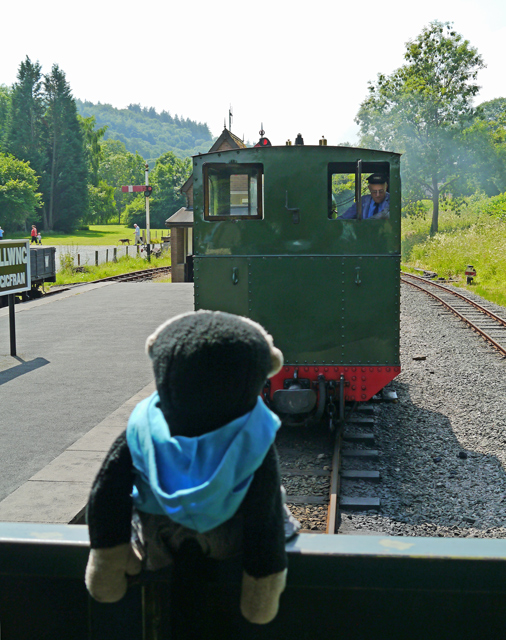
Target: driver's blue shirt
{"x": 367, "y": 208}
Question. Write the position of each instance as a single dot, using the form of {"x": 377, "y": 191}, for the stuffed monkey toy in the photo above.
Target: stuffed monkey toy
{"x": 198, "y": 463}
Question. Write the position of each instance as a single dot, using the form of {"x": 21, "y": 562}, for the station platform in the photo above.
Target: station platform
{"x": 79, "y": 370}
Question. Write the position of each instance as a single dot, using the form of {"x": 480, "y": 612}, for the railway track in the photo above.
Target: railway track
{"x": 317, "y": 467}
{"x": 482, "y": 320}
{"x": 133, "y": 276}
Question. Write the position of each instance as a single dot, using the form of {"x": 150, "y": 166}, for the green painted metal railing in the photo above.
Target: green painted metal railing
{"x": 339, "y": 586}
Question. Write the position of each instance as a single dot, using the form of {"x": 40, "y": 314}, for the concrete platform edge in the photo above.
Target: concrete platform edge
{"x": 58, "y": 493}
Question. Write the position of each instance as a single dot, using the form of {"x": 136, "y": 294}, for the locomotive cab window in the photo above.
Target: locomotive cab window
{"x": 233, "y": 191}
{"x": 358, "y": 190}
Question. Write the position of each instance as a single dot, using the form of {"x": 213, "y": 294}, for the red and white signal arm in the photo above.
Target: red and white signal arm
{"x": 15, "y": 274}
{"x": 133, "y": 188}
{"x": 138, "y": 188}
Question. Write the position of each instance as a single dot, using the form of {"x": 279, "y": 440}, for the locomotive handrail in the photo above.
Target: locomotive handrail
{"x": 358, "y": 189}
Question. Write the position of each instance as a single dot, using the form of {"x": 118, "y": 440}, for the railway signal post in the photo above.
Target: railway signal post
{"x": 147, "y": 189}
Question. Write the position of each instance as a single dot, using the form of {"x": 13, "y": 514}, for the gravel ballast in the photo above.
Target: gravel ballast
{"x": 443, "y": 445}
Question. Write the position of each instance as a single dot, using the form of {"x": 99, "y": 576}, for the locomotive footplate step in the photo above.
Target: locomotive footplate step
{"x": 371, "y": 454}
{"x": 359, "y": 437}
{"x": 360, "y": 503}
{"x": 356, "y": 474}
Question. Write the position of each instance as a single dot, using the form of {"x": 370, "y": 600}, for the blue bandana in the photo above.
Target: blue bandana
{"x": 197, "y": 482}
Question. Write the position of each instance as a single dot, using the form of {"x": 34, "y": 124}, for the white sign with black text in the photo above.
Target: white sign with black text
{"x": 14, "y": 266}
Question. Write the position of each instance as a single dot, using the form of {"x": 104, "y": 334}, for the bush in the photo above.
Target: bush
{"x": 496, "y": 206}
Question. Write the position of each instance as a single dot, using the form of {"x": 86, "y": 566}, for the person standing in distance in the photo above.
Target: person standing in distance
{"x": 374, "y": 206}
{"x": 33, "y": 233}
{"x": 137, "y": 234}
{"x": 1, "y": 233}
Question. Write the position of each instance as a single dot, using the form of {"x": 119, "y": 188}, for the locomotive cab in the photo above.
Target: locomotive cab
{"x": 270, "y": 244}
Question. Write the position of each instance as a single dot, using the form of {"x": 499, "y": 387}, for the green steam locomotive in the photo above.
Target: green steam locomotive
{"x": 285, "y": 235}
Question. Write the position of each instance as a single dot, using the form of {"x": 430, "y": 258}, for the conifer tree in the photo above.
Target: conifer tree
{"x": 66, "y": 165}
{"x": 5, "y": 112}
{"x": 25, "y": 137}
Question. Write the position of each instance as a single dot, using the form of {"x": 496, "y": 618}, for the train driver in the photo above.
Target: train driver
{"x": 375, "y": 206}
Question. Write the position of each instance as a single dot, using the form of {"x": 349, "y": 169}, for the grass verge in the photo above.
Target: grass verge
{"x": 70, "y": 275}
{"x": 106, "y": 234}
{"x": 467, "y": 239}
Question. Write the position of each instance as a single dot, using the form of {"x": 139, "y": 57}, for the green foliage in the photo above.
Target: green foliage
{"x": 481, "y": 244}
{"x": 96, "y": 235}
{"x": 147, "y": 132}
{"x": 453, "y": 204}
{"x": 108, "y": 269}
{"x": 19, "y": 197}
{"x": 102, "y": 207}
{"x": 493, "y": 112}
{"x": 93, "y": 148}
{"x": 79, "y": 165}
{"x": 119, "y": 167}
{"x": 472, "y": 237}
{"x": 496, "y": 207}
{"x": 67, "y": 166}
{"x": 486, "y": 138}
{"x": 422, "y": 110}
{"x": 343, "y": 192}
{"x": 27, "y": 136}
{"x": 135, "y": 212}
{"x": 167, "y": 178}
{"x": 43, "y": 130}
{"x": 5, "y": 111}
{"x": 414, "y": 209}
{"x": 67, "y": 262}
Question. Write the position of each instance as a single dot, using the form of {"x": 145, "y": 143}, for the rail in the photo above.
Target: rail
{"x": 500, "y": 324}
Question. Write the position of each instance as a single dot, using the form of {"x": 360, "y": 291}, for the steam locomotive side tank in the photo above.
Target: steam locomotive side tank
{"x": 269, "y": 244}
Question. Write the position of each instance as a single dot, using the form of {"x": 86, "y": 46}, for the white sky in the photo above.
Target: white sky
{"x": 295, "y": 66}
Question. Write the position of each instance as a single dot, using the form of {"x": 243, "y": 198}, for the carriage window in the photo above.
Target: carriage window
{"x": 232, "y": 191}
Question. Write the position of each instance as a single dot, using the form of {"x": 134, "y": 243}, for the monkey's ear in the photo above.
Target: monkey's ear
{"x": 276, "y": 355}
{"x": 276, "y": 359}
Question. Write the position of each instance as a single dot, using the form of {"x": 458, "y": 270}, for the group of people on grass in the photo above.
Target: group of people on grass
{"x": 36, "y": 238}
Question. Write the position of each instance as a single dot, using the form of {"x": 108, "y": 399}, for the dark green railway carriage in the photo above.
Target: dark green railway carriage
{"x": 269, "y": 244}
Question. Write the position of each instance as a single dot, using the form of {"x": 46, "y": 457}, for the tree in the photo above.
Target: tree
{"x": 26, "y": 136}
{"x": 485, "y": 142}
{"x": 422, "y": 110}
{"x": 167, "y": 178}
{"x": 102, "y": 208}
{"x": 119, "y": 167}
{"x": 19, "y": 197}
{"x": 5, "y": 112}
{"x": 493, "y": 112}
{"x": 92, "y": 145}
{"x": 66, "y": 165}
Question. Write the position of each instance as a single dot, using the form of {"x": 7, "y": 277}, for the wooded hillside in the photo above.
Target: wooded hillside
{"x": 147, "y": 132}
